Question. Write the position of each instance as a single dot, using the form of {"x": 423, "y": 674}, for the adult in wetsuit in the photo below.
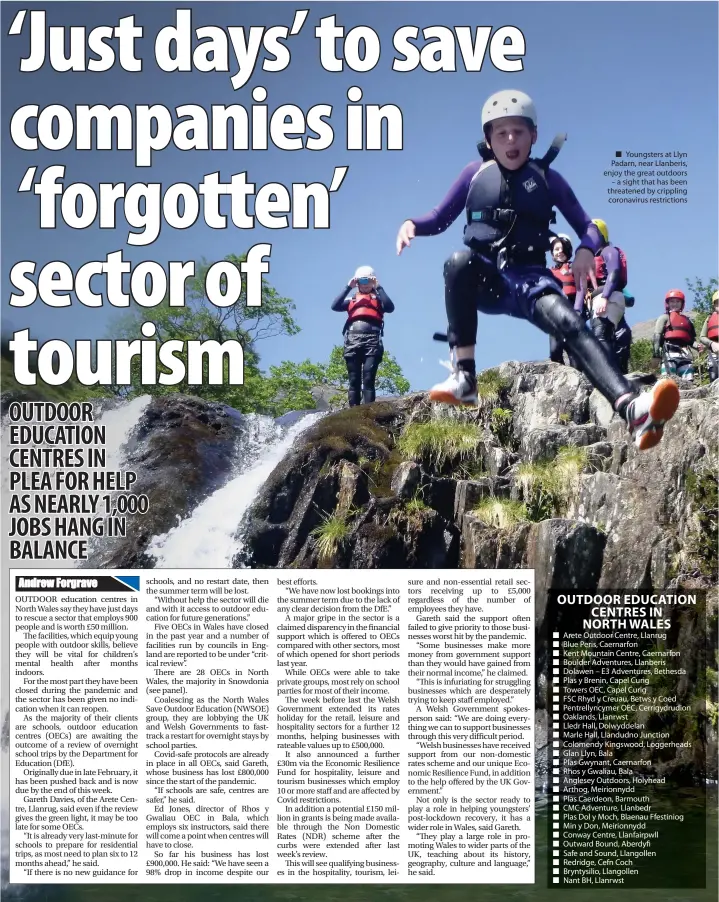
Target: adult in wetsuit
{"x": 508, "y": 201}
{"x": 363, "y": 330}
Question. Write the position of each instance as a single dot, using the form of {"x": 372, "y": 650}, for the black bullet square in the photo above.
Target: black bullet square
{"x": 617, "y": 153}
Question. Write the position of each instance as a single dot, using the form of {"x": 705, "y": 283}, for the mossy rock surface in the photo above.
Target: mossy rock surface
{"x": 356, "y": 430}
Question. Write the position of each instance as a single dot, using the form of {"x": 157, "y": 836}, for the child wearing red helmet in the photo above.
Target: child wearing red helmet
{"x": 674, "y": 336}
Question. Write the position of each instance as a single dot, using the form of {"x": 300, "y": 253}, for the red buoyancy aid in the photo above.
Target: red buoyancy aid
{"x": 565, "y": 275}
{"x": 601, "y": 269}
{"x": 365, "y": 306}
{"x": 713, "y": 327}
{"x": 679, "y": 330}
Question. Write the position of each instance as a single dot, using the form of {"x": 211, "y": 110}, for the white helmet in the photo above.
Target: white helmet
{"x": 508, "y": 103}
{"x": 365, "y": 272}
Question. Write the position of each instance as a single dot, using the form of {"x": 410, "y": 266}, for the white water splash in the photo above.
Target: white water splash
{"x": 207, "y": 537}
{"x": 119, "y": 423}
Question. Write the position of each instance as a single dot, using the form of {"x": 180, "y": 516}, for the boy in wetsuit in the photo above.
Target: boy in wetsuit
{"x": 508, "y": 203}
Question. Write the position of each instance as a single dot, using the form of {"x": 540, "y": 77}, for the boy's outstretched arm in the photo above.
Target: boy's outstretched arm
{"x": 444, "y": 214}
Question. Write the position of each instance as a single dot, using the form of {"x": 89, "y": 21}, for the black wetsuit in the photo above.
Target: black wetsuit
{"x": 623, "y": 345}
{"x": 471, "y": 283}
{"x": 363, "y": 350}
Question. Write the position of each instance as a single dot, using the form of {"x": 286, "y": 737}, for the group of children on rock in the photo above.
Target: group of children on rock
{"x": 508, "y": 199}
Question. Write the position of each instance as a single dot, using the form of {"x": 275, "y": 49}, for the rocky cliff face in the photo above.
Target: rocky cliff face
{"x": 541, "y": 476}
{"x": 542, "y": 470}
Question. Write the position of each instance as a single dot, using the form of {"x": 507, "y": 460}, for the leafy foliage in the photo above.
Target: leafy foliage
{"x": 296, "y": 380}
{"x": 641, "y": 358}
{"x": 701, "y": 300}
{"x": 199, "y": 320}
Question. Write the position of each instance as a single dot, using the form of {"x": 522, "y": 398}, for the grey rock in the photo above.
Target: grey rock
{"x": 547, "y": 395}
{"x": 406, "y": 479}
{"x": 471, "y": 491}
{"x": 486, "y": 547}
{"x": 496, "y": 460}
{"x": 566, "y": 555}
{"x": 600, "y": 410}
{"x": 541, "y": 444}
{"x": 352, "y": 491}
{"x": 440, "y": 494}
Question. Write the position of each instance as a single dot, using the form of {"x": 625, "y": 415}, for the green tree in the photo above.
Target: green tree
{"x": 289, "y": 386}
{"x": 200, "y": 320}
{"x": 390, "y": 379}
{"x": 701, "y": 305}
{"x": 640, "y": 357}
{"x": 701, "y": 300}
{"x": 293, "y": 382}
{"x": 702, "y": 294}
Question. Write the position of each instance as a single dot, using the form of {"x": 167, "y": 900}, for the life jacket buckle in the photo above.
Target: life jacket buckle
{"x": 493, "y": 215}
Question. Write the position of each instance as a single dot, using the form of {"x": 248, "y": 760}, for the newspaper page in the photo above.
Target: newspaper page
{"x": 297, "y": 604}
